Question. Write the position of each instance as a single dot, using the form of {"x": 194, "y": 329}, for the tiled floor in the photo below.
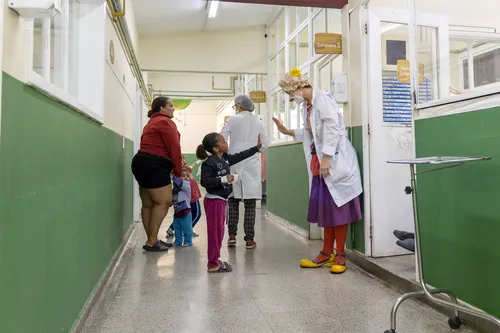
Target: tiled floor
{"x": 266, "y": 292}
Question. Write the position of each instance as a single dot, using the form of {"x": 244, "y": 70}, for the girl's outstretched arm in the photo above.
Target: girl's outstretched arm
{"x": 238, "y": 157}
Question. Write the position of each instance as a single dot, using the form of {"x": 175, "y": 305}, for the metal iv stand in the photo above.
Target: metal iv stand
{"x": 429, "y": 293}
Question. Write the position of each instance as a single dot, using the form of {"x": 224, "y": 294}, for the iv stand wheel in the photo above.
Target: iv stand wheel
{"x": 390, "y": 331}
{"x": 455, "y": 323}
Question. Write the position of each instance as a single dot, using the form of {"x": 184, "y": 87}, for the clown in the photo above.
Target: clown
{"x": 334, "y": 175}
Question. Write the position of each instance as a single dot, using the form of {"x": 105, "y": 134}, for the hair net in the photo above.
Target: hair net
{"x": 245, "y": 102}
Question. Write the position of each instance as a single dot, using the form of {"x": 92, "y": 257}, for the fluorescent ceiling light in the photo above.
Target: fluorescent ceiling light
{"x": 212, "y": 9}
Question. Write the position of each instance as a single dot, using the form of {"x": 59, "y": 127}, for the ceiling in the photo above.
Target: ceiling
{"x": 158, "y": 17}
{"x": 305, "y": 3}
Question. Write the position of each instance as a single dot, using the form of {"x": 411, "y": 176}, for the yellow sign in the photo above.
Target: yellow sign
{"x": 325, "y": 43}
{"x": 258, "y": 96}
{"x": 404, "y": 72}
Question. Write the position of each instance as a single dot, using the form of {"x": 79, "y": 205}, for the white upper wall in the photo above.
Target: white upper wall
{"x": 119, "y": 83}
{"x": 462, "y": 12}
{"x": 235, "y": 50}
{"x": 194, "y": 122}
{"x": 14, "y": 49}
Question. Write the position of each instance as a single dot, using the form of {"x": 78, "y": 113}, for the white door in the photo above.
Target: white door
{"x": 390, "y": 112}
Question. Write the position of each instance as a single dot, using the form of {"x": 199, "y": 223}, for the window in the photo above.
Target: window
{"x": 319, "y": 22}
{"x": 486, "y": 69}
{"x": 303, "y": 14}
{"x": 67, "y": 60}
{"x": 297, "y": 51}
{"x": 304, "y": 46}
{"x": 294, "y": 23}
{"x": 334, "y": 21}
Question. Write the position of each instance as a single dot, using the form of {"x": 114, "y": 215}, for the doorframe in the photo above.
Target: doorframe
{"x": 137, "y": 142}
{"x": 371, "y": 16}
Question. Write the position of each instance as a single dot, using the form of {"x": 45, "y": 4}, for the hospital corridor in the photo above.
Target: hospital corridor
{"x": 280, "y": 166}
{"x": 266, "y": 292}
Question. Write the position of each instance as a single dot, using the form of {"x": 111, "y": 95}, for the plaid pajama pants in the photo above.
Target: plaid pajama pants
{"x": 249, "y": 219}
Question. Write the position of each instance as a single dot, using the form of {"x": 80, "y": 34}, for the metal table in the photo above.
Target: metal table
{"x": 429, "y": 293}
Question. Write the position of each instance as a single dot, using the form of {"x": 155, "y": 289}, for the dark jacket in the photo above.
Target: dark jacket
{"x": 214, "y": 168}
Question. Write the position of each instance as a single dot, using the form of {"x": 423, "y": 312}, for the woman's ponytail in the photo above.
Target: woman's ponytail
{"x": 201, "y": 153}
{"x": 150, "y": 113}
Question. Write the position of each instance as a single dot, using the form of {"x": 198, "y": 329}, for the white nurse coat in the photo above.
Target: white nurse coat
{"x": 328, "y": 129}
{"x": 243, "y": 130}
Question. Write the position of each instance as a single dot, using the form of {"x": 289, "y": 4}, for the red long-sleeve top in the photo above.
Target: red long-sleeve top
{"x": 161, "y": 137}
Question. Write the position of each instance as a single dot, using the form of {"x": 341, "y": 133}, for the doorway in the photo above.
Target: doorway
{"x": 389, "y": 112}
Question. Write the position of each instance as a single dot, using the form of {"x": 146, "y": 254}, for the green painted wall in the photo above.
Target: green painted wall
{"x": 357, "y": 229}
{"x": 459, "y": 215}
{"x": 288, "y": 184}
{"x": 191, "y": 158}
{"x": 65, "y": 205}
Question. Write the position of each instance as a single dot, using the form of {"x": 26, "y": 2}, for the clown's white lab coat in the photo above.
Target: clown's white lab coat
{"x": 242, "y": 131}
{"x": 329, "y": 135}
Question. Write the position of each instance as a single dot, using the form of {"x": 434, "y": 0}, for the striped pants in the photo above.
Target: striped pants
{"x": 249, "y": 220}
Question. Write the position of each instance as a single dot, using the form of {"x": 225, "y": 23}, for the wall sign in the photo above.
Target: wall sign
{"x": 258, "y": 96}
{"x": 326, "y": 43}
{"x": 404, "y": 72}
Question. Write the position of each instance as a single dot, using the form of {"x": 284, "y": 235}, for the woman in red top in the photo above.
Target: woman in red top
{"x": 159, "y": 156}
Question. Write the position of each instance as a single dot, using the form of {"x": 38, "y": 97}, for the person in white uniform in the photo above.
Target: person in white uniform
{"x": 243, "y": 131}
{"x": 334, "y": 175}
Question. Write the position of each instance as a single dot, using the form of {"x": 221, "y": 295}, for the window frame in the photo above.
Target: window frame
{"x": 43, "y": 83}
{"x": 476, "y": 92}
{"x": 464, "y": 56}
{"x": 292, "y": 35}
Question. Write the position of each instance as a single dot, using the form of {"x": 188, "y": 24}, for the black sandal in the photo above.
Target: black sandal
{"x": 157, "y": 247}
{"x": 167, "y": 244}
{"x": 224, "y": 267}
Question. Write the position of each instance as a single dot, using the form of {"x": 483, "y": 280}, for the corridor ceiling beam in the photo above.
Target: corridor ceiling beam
{"x": 301, "y": 3}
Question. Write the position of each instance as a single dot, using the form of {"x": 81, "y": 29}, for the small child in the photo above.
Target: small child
{"x": 195, "y": 198}
{"x": 182, "y": 216}
{"x": 216, "y": 178}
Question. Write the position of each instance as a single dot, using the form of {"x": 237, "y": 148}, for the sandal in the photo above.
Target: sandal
{"x": 167, "y": 244}
{"x": 306, "y": 263}
{"x": 224, "y": 267}
{"x": 157, "y": 247}
{"x": 338, "y": 268}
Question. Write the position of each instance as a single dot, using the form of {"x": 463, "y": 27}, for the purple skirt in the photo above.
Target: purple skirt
{"x": 324, "y": 211}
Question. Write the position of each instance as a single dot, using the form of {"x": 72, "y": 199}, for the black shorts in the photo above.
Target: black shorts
{"x": 151, "y": 171}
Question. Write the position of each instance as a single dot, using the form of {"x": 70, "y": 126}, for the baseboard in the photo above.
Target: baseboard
{"x": 290, "y": 226}
{"x": 111, "y": 272}
{"x": 403, "y": 285}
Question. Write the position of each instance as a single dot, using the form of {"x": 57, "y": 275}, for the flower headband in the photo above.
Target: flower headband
{"x": 293, "y": 81}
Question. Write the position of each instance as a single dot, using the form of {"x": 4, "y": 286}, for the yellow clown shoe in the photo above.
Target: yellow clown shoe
{"x": 338, "y": 268}
{"x": 306, "y": 263}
